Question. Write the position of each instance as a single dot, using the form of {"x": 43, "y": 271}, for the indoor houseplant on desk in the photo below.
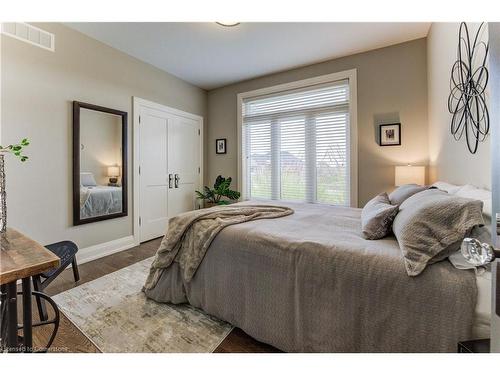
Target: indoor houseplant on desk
{"x": 16, "y": 150}
{"x": 213, "y": 197}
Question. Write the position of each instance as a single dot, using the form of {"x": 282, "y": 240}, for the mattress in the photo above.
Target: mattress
{"x": 482, "y": 312}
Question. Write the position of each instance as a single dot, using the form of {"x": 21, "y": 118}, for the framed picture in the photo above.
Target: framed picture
{"x": 390, "y": 134}
{"x": 220, "y": 146}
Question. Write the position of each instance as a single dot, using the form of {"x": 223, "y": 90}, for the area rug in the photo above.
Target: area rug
{"x": 117, "y": 317}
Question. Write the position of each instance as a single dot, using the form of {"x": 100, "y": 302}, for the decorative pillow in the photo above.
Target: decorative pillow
{"x": 377, "y": 217}
{"x": 87, "y": 179}
{"x": 403, "y": 192}
{"x": 432, "y": 224}
{"x": 472, "y": 192}
{"x": 449, "y": 188}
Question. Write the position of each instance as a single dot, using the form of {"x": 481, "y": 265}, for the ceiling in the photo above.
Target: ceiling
{"x": 209, "y": 55}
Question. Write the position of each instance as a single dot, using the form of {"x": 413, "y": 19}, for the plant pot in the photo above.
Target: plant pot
{"x": 209, "y": 204}
{"x": 3, "y": 198}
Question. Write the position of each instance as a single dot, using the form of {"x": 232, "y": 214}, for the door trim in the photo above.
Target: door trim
{"x": 136, "y": 104}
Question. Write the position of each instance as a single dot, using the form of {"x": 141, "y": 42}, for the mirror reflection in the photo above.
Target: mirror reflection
{"x": 102, "y": 184}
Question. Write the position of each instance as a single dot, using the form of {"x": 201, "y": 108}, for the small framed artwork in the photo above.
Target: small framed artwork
{"x": 220, "y": 146}
{"x": 390, "y": 134}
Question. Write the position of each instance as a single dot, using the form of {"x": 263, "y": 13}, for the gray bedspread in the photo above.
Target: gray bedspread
{"x": 190, "y": 234}
{"x": 100, "y": 200}
{"x": 310, "y": 282}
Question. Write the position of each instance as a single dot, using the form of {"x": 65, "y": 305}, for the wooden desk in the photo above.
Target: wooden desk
{"x": 20, "y": 259}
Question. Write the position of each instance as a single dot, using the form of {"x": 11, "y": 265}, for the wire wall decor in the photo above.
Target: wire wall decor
{"x": 467, "y": 99}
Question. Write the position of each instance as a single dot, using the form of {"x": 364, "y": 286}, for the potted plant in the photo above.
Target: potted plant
{"x": 16, "y": 150}
{"x": 213, "y": 197}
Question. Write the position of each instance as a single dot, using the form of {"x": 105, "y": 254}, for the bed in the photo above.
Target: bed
{"x": 100, "y": 200}
{"x": 310, "y": 282}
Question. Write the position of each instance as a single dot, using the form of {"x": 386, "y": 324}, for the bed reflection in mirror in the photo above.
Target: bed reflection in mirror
{"x": 100, "y": 178}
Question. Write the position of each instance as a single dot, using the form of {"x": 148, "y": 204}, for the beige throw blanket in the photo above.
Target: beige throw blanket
{"x": 190, "y": 234}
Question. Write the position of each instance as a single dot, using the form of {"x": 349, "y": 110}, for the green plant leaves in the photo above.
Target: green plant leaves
{"x": 16, "y": 149}
{"x": 221, "y": 189}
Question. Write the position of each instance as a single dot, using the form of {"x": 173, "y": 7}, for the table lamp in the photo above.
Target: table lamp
{"x": 409, "y": 174}
{"x": 113, "y": 173}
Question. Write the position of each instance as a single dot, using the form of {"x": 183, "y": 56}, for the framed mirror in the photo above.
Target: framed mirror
{"x": 99, "y": 163}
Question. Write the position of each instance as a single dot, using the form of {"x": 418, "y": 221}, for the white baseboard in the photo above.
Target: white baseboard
{"x": 107, "y": 248}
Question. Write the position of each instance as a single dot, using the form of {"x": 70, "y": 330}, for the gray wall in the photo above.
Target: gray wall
{"x": 494, "y": 32}
{"x": 38, "y": 87}
{"x": 392, "y": 87}
{"x": 450, "y": 160}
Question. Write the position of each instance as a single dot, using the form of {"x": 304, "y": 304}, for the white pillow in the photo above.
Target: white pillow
{"x": 472, "y": 192}
{"x": 87, "y": 179}
{"x": 449, "y": 188}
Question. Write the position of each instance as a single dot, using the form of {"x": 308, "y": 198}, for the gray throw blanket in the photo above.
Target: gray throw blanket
{"x": 191, "y": 233}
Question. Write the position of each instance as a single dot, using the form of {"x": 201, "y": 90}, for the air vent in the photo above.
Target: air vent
{"x": 29, "y": 34}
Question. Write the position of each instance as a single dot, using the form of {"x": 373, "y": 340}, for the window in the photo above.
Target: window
{"x": 296, "y": 144}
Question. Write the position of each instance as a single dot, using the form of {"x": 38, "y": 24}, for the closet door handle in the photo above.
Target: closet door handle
{"x": 177, "y": 180}
{"x": 170, "y": 179}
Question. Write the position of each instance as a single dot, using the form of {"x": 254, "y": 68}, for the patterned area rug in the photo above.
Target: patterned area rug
{"x": 117, "y": 317}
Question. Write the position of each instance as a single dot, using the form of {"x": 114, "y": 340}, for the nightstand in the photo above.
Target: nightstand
{"x": 474, "y": 346}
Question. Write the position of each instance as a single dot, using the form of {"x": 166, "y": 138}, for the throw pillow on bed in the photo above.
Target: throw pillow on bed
{"x": 87, "y": 179}
{"x": 432, "y": 224}
{"x": 377, "y": 217}
{"x": 403, "y": 192}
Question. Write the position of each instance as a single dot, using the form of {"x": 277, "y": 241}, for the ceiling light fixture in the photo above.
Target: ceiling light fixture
{"x": 227, "y": 23}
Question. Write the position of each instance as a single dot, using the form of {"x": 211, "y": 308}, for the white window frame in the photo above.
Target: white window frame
{"x": 352, "y": 131}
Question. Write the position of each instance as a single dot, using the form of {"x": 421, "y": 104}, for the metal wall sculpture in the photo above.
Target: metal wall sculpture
{"x": 467, "y": 99}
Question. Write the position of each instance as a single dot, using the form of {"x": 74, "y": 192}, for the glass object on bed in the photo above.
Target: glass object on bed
{"x": 477, "y": 253}
{"x": 99, "y": 163}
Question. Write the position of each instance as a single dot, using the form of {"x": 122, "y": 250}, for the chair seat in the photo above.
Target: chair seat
{"x": 66, "y": 251}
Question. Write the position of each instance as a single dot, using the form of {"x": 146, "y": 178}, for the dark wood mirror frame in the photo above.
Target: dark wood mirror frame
{"x": 76, "y": 163}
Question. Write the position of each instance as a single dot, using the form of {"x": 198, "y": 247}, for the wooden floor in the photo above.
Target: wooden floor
{"x": 70, "y": 339}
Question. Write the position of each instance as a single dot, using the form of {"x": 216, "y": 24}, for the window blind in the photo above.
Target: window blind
{"x": 296, "y": 145}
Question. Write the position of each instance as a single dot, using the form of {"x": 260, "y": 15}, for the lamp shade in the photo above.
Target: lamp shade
{"x": 113, "y": 171}
{"x": 410, "y": 175}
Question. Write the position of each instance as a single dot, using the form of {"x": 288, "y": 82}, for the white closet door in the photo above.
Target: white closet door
{"x": 183, "y": 163}
{"x": 153, "y": 173}
{"x": 169, "y": 146}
